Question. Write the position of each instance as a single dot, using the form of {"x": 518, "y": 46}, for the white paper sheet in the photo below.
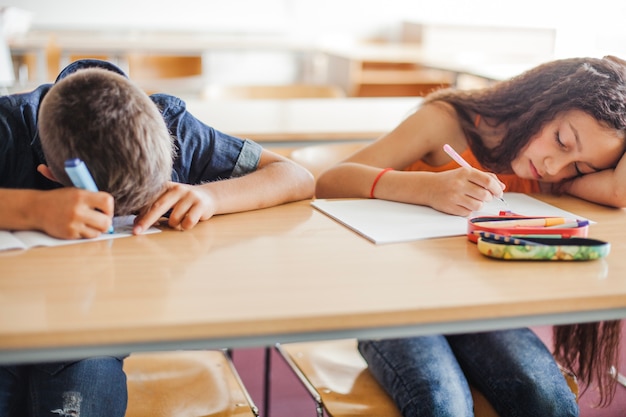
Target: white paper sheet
{"x": 26, "y": 239}
{"x": 382, "y": 221}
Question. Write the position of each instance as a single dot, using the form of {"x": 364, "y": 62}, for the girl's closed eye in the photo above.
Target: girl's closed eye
{"x": 563, "y": 146}
{"x": 584, "y": 168}
{"x": 579, "y": 173}
{"x": 559, "y": 142}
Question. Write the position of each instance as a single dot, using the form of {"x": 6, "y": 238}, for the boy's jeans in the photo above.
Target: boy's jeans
{"x": 428, "y": 376}
{"x": 93, "y": 387}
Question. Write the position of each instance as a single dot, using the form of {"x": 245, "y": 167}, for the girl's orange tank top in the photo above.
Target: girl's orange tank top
{"x": 513, "y": 182}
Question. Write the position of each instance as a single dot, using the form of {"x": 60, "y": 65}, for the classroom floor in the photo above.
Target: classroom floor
{"x": 290, "y": 399}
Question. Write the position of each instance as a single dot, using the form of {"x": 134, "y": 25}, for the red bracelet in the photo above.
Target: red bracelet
{"x": 380, "y": 174}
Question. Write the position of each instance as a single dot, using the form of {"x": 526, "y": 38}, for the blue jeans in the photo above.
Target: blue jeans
{"x": 94, "y": 387}
{"x": 429, "y": 376}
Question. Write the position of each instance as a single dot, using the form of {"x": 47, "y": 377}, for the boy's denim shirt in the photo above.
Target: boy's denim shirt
{"x": 203, "y": 154}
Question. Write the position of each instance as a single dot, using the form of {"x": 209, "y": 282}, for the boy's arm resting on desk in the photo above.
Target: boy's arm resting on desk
{"x": 66, "y": 213}
{"x": 276, "y": 180}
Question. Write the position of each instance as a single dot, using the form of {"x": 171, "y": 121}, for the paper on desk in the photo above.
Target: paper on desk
{"x": 382, "y": 221}
{"x": 26, "y": 239}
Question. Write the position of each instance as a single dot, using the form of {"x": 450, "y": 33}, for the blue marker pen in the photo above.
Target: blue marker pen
{"x": 81, "y": 178}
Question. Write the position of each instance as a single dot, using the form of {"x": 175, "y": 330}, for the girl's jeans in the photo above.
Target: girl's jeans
{"x": 94, "y": 387}
{"x": 429, "y": 376}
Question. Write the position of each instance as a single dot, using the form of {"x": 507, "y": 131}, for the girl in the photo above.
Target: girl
{"x": 558, "y": 128}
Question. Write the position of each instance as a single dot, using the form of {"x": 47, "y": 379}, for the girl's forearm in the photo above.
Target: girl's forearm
{"x": 357, "y": 180}
{"x": 604, "y": 187}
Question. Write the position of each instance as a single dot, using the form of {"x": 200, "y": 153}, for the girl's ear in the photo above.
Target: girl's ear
{"x": 45, "y": 171}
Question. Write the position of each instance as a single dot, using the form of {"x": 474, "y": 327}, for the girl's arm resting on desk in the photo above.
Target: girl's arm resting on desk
{"x": 606, "y": 187}
{"x": 420, "y": 136}
{"x": 277, "y": 180}
{"x": 459, "y": 191}
{"x": 66, "y": 213}
{"x": 602, "y": 187}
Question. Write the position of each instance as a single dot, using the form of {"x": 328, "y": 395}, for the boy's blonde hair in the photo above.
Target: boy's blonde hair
{"x": 107, "y": 121}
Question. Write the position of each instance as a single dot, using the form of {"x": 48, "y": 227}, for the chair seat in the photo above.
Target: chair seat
{"x": 336, "y": 376}
{"x": 185, "y": 384}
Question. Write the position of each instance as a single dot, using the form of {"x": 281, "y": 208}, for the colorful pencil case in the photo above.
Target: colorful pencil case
{"x": 541, "y": 248}
{"x": 507, "y": 224}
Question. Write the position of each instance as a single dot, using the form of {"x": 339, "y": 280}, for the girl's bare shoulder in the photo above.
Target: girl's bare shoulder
{"x": 438, "y": 112}
{"x": 437, "y": 122}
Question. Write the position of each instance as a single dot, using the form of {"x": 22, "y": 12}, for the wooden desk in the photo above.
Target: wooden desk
{"x": 432, "y": 65}
{"x": 283, "y": 274}
{"x": 393, "y": 69}
{"x": 309, "y": 120}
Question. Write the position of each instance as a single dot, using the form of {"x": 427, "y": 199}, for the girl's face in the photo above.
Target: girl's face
{"x": 572, "y": 144}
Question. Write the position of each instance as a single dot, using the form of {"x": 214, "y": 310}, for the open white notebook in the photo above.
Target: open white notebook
{"x": 384, "y": 221}
{"x": 26, "y": 239}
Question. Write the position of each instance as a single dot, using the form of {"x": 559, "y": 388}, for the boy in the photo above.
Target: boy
{"x": 148, "y": 156}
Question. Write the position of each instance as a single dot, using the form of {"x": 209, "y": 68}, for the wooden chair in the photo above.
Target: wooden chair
{"x": 279, "y": 91}
{"x": 336, "y": 376}
{"x": 317, "y": 158}
{"x": 158, "y": 67}
{"x": 185, "y": 384}
{"x": 173, "y": 74}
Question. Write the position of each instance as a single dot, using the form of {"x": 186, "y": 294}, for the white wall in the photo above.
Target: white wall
{"x": 583, "y": 28}
{"x": 321, "y": 18}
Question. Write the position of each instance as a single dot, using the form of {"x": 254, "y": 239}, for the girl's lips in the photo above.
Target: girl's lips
{"x": 534, "y": 171}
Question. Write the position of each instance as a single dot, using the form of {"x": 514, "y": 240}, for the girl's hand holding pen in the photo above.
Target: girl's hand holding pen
{"x": 462, "y": 191}
{"x": 462, "y": 162}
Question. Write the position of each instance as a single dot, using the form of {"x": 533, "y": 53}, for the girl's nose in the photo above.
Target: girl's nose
{"x": 554, "y": 166}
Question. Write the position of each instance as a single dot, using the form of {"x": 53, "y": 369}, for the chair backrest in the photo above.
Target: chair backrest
{"x": 279, "y": 91}
{"x": 185, "y": 384}
{"x": 336, "y": 376}
{"x": 318, "y": 158}
{"x": 158, "y": 67}
{"x": 178, "y": 75}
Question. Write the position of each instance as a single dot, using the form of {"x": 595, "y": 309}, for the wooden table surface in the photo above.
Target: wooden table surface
{"x": 287, "y": 273}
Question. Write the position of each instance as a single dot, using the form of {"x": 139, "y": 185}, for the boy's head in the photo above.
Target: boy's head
{"x": 104, "y": 119}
